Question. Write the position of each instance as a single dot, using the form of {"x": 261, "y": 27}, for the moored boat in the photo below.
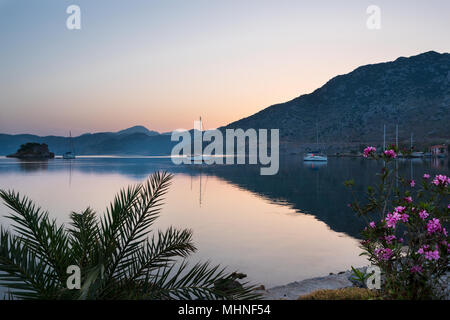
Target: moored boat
{"x": 69, "y": 155}
{"x": 315, "y": 157}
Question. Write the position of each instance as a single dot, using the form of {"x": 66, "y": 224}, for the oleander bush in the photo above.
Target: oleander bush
{"x": 406, "y": 235}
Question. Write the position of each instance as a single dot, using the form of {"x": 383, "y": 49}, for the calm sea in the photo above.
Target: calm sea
{"x": 276, "y": 229}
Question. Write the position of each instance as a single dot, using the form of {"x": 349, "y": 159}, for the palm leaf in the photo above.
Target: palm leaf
{"x": 199, "y": 282}
{"x": 140, "y": 216}
{"x": 22, "y": 272}
{"x": 117, "y": 257}
{"x": 84, "y": 237}
{"x": 160, "y": 251}
{"x": 40, "y": 235}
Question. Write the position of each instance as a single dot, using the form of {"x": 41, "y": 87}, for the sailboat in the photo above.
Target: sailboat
{"x": 198, "y": 158}
{"x": 415, "y": 154}
{"x": 315, "y": 155}
{"x": 69, "y": 155}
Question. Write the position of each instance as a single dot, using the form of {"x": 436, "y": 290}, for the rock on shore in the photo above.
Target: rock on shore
{"x": 295, "y": 289}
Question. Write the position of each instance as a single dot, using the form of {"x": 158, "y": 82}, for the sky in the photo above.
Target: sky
{"x": 164, "y": 63}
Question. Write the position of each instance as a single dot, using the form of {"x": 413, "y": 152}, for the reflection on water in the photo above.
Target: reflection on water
{"x": 32, "y": 165}
{"x": 276, "y": 229}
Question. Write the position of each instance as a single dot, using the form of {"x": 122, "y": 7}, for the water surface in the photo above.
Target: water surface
{"x": 276, "y": 229}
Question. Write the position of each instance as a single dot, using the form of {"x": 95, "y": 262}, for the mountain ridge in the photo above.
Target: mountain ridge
{"x": 347, "y": 105}
{"x": 136, "y": 140}
{"x": 349, "y": 110}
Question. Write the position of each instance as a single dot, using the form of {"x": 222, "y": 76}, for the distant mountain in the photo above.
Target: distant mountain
{"x": 352, "y": 108}
{"x": 138, "y": 129}
{"x": 349, "y": 110}
{"x": 137, "y": 140}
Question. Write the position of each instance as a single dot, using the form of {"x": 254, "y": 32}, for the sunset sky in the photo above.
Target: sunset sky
{"x": 163, "y": 63}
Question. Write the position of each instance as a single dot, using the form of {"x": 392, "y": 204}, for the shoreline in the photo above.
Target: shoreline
{"x": 293, "y": 290}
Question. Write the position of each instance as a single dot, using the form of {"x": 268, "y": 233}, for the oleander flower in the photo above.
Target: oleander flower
{"x": 433, "y": 226}
{"x": 441, "y": 180}
{"x": 416, "y": 269}
{"x": 412, "y": 183}
{"x": 426, "y": 176}
{"x": 423, "y": 249}
{"x": 369, "y": 151}
{"x": 399, "y": 209}
{"x": 432, "y": 255}
{"x": 404, "y": 217}
{"x": 390, "y": 154}
{"x": 384, "y": 253}
{"x": 389, "y": 239}
{"x": 423, "y": 214}
{"x": 392, "y": 218}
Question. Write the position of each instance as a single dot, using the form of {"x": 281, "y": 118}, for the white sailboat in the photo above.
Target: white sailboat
{"x": 198, "y": 158}
{"x": 315, "y": 155}
{"x": 69, "y": 155}
{"x": 415, "y": 154}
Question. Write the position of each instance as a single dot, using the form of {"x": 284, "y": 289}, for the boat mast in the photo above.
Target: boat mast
{"x": 384, "y": 137}
{"x": 396, "y": 135}
{"x": 317, "y": 134}
{"x": 71, "y": 142}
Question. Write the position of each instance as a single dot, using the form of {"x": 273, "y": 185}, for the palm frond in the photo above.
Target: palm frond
{"x": 84, "y": 237}
{"x": 118, "y": 259}
{"x": 115, "y": 216}
{"x": 26, "y": 276}
{"x": 43, "y": 237}
{"x": 201, "y": 282}
{"x": 160, "y": 251}
{"x": 137, "y": 221}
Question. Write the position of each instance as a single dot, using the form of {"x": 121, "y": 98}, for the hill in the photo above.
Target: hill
{"x": 412, "y": 92}
{"x": 132, "y": 141}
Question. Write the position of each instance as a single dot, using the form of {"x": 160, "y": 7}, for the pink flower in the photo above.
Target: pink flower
{"x": 390, "y": 154}
{"x": 399, "y": 209}
{"x": 389, "y": 239}
{"x": 426, "y": 176}
{"x": 428, "y": 253}
{"x": 408, "y": 199}
{"x": 412, "y": 183}
{"x": 441, "y": 180}
{"x": 392, "y": 218}
{"x": 433, "y": 225}
{"x": 405, "y": 217}
{"x": 384, "y": 253}
{"x": 423, "y": 214}
{"x": 369, "y": 151}
{"x": 416, "y": 269}
{"x": 422, "y": 250}
{"x": 372, "y": 224}
{"x": 432, "y": 255}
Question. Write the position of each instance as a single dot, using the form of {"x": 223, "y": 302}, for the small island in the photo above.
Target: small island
{"x": 33, "y": 150}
